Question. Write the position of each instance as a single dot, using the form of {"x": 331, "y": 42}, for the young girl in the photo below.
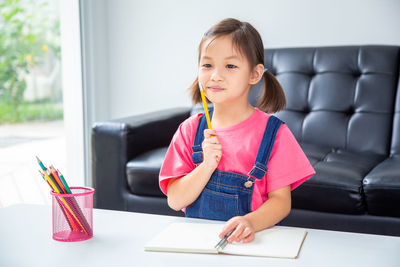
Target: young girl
{"x": 244, "y": 169}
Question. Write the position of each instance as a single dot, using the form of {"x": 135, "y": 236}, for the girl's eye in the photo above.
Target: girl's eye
{"x": 230, "y": 66}
{"x": 207, "y": 65}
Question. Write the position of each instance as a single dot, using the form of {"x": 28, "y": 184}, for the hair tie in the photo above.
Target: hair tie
{"x": 265, "y": 69}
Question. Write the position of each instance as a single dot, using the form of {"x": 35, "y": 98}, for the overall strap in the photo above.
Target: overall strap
{"x": 265, "y": 149}
{"x": 197, "y": 155}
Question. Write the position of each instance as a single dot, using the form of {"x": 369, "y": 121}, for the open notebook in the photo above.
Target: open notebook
{"x": 277, "y": 241}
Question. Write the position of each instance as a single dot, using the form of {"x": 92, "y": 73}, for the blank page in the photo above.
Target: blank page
{"x": 277, "y": 241}
{"x": 187, "y": 237}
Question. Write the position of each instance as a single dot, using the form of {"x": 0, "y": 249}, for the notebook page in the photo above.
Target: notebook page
{"x": 186, "y": 237}
{"x": 277, "y": 241}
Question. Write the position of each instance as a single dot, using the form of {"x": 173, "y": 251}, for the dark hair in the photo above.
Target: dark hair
{"x": 248, "y": 41}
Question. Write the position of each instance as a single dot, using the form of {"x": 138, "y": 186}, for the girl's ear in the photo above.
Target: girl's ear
{"x": 256, "y": 74}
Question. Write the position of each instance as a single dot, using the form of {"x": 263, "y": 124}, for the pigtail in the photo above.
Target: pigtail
{"x": 194, "y": 91}
{"x": 273, "y": 97}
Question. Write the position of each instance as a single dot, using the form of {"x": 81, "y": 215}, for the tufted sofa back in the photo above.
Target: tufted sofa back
{"x": 340, "y": 97}
{"x": 395, "y": 148}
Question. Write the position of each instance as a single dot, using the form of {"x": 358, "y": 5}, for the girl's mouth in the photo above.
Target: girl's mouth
{"x": 216, "y": 89}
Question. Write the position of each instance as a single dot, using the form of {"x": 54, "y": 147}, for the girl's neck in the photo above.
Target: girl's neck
{"x": 225, "y": 116}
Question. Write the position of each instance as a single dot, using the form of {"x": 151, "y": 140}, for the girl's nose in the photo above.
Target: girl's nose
{"x": 216, "y": 75}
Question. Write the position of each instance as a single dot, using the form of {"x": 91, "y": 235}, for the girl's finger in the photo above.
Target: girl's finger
{"x": 215, "y": 147}
{"x": 246, "y": 232}
{"x": 209, "y": 132}
{"x": 213, "y": 140}
{"x": 238, "y": 231}
{"x": 212, "y": 147}
{"x": 249, "y": 238}
{"x": 218, "y": 156}
{"x": 230, "y": 225}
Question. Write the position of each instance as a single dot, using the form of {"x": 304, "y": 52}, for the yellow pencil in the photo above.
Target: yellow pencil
{"x": 50, "y": 181}
{"x": 203, "y": 97}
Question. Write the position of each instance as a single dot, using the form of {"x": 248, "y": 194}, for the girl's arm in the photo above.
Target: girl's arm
{"x": 276, "y": 208}
{"x": 184, "y": 191}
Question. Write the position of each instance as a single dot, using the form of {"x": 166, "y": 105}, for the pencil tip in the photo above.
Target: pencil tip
{"x": 37, "y": 158}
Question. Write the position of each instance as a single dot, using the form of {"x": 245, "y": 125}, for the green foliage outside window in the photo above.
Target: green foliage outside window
{"x": 27, "y": 32}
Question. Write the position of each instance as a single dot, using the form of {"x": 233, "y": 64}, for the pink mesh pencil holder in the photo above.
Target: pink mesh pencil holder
{"x": 73, "y": 214}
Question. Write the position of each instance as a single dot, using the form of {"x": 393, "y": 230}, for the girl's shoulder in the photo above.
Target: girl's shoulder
{"x": 263, "y": 117}
{"x": 188, "y": 127}
{"x": 192, "y": 121}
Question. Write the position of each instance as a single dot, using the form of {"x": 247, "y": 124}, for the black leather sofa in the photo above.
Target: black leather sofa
{"x": 343, "y": 106}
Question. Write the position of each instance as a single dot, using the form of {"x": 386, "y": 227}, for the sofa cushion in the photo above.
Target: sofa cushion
{"x": 336, "y": 187}
{"x": 337, "y": 184}
{"x": 382, "y": 188}
{"x": 142, "y": 173}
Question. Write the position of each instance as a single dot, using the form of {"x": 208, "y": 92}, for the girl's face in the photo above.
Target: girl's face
{"x": 224, "y": 73}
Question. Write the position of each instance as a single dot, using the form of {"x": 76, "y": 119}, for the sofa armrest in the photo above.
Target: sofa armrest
{"x": 115, "y": 142}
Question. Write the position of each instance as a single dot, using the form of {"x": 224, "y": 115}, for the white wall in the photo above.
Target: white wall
{"x": 143, "y": 54}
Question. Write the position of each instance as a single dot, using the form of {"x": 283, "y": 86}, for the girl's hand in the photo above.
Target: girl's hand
{"x": 212, "y": 149}
{"x": 244, "y": 231}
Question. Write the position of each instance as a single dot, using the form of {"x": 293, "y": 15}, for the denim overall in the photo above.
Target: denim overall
{"x": 229, "y": 194}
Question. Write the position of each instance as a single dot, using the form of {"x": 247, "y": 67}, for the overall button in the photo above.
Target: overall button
{"x": 248, "y": 184}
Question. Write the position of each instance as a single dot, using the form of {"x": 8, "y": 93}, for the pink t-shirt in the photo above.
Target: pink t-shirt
{"x": 288, "y": 165}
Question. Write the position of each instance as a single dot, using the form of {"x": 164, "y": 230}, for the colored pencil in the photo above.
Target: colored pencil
{"x": 64, "y": 182}
{"x": 203, "y": 98}
{"x": 41, "y": 164}
{"x": 54, "y": 173}
{"x": 54, "y": 180}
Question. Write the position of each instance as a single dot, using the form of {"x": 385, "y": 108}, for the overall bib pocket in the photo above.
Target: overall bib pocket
{"x": 218, "y": 205}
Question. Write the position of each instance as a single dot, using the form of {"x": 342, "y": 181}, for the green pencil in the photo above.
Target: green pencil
{"x": 64, "y": 182}
{"x": 41, "y": 164}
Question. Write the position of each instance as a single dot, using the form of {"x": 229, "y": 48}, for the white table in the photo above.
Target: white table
{"x": 119, "y": 238}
